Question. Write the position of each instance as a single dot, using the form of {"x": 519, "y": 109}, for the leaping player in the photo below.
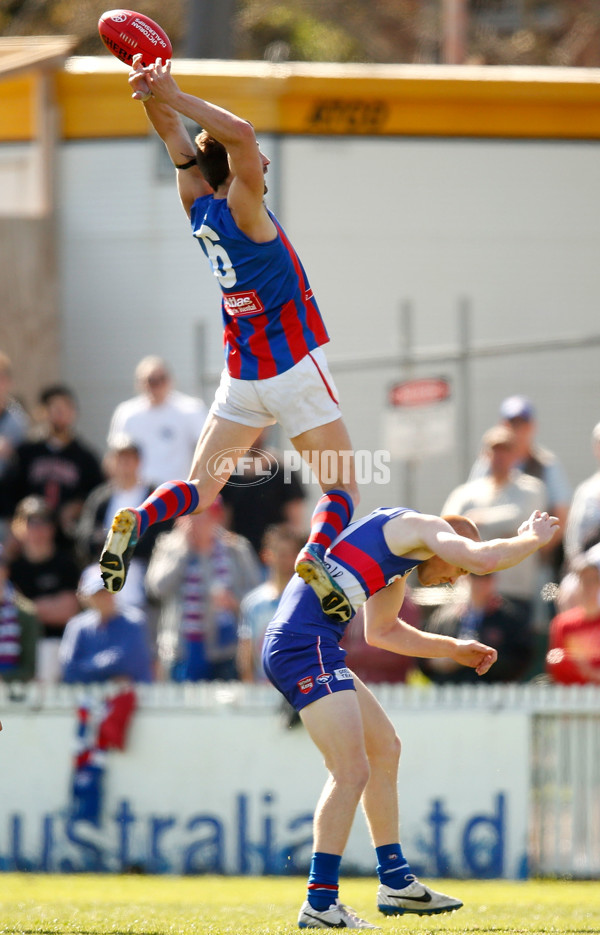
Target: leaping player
{"x": 276, "y": 370}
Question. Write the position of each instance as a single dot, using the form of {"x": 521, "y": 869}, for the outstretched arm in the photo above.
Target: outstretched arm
{"x": 384, "y": 630}
{"x": 421, "y": 536}
{"x": 246, "y": 193}
{"x": 171, "y": 129}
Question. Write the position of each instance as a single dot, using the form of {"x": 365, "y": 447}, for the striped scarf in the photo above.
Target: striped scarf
{"x": 203, "y": 574}
{"x": 10, "y": 631}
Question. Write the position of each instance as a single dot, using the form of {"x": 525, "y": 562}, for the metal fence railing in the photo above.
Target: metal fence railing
{"x": 565, "y": 794}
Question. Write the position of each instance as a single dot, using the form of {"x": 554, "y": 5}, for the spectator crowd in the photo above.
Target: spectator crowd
{"x": 201, "y": 590}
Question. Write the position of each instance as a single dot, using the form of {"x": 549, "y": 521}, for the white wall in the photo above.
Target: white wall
{"x": 20, "y": 193}
{"x": 512, "y": 225}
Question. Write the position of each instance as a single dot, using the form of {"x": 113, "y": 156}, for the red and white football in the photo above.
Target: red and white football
{"x": 126, "y": 33}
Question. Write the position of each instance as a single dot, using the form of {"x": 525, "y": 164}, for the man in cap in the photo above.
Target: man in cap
{"x": 45, "y": 574}
{"x": 103, "y": 642}
{"x": 498, "y": 503}
{"x": 518, "y": 413}
{"x": 124, "y": 484}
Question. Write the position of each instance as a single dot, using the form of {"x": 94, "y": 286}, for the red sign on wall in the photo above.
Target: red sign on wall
{"x": 421, "y": 392}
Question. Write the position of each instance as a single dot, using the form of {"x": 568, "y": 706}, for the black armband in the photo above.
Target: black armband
{"x": 187, "y": 165}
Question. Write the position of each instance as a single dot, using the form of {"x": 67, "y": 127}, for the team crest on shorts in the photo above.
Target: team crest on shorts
{"x": 306, "y": 684}
{"x": 324, "y": 677}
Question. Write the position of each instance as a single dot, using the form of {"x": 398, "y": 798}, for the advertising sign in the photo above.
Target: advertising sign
{"x": 234, "y": 792}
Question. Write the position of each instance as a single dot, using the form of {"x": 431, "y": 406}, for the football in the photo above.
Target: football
{"x": 126, "y": 33}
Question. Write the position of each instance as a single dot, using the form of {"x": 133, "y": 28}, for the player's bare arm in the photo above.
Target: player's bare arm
{"x": 385, "y": 630}
{"x": 169, "y": 126}
{"x": 422, "y": 536}
{"x": 247, "y": 189}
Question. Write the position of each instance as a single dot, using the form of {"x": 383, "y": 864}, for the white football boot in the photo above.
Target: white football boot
{"x": 337, "y": 916}
{"x": 416, "y": 897}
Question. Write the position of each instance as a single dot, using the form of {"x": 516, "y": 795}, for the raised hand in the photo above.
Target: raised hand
{"x": 137, "y": 80}
{"x": 162, "y": 85}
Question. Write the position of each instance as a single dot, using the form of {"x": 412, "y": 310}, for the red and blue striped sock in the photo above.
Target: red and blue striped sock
{"x": 332, "y": 514}
{"x": 393, "y": 868}
{"x": 175, "y": 498}
{"x": 323, "y": 880}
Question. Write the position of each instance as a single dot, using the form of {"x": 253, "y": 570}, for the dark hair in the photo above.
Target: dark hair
{"x": 212, "y": 160}
{"x": 57, "y": 389}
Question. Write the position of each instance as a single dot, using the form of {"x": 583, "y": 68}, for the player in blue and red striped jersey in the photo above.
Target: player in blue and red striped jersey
{"x": 276, "y": 370}
{"x": 302, "y": 658}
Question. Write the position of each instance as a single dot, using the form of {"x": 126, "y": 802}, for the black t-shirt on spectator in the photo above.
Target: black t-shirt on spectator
{"x": 42, "y": 579}
{"x": 59, "y": 475}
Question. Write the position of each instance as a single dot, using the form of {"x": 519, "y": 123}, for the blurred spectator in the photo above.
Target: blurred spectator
{"x": 252, "y": 507}
{"x": 517, "y": 412}
{"x": 281, "y": 545}
{"x": 13, "y": 418}
{"x": 123, "y": 487}
{"x": 199, "y": 573}
{"x": 47, "y": 576}
{"x": 574, "y": 645}
{"x": 164, "y": 423}
{"x": 19, "y": 631}
{"x": 583, "y": 522}
{"x": 568, "y": 589}
{"x": 103, "y": 642}
{"x": 478, "y": 612}
{"x": 57, "y": 467}
{"x": 498, "y": 503}
{"x": 372, "y": 664}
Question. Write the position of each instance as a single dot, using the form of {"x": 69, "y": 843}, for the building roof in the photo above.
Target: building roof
{"x": 23, "y": 53}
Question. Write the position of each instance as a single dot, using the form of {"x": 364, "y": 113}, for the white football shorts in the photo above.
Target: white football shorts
{"x": 300, "y": 399}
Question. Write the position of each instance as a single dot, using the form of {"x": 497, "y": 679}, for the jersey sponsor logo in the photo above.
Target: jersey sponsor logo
{"x": 238, "y": 304}
{"x": 324, "y": 678}
{"x": 342, "y": 674}
{"x": 306, "y": 684}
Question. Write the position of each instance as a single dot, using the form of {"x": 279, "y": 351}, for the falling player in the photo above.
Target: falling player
{"x": 302, "y": 658}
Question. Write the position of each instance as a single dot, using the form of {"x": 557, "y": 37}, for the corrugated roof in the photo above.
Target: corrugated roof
{"x": 22, "y": 53}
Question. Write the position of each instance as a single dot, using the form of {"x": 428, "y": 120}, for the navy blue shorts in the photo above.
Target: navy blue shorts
{"x": 304, "y": 668}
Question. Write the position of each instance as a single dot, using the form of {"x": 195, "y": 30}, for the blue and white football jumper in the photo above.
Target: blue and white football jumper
{"x": 301, "y": 652}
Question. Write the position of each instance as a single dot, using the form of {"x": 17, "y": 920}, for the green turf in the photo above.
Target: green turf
{"x": 86, "y": 905}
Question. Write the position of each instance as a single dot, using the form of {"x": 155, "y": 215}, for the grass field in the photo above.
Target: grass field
{"x": 86, "y": 905}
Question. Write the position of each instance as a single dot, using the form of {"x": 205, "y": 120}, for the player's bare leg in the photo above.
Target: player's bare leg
{"x": 315, "y": 445}
{"x": 380, "y": 804}
{"x": 328, "y": 451}
{"x": 210, "y": 472}
{"x": 335, "y": 727}
{"x": 382, "y": 745}
{"x": 220, "y": 444}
